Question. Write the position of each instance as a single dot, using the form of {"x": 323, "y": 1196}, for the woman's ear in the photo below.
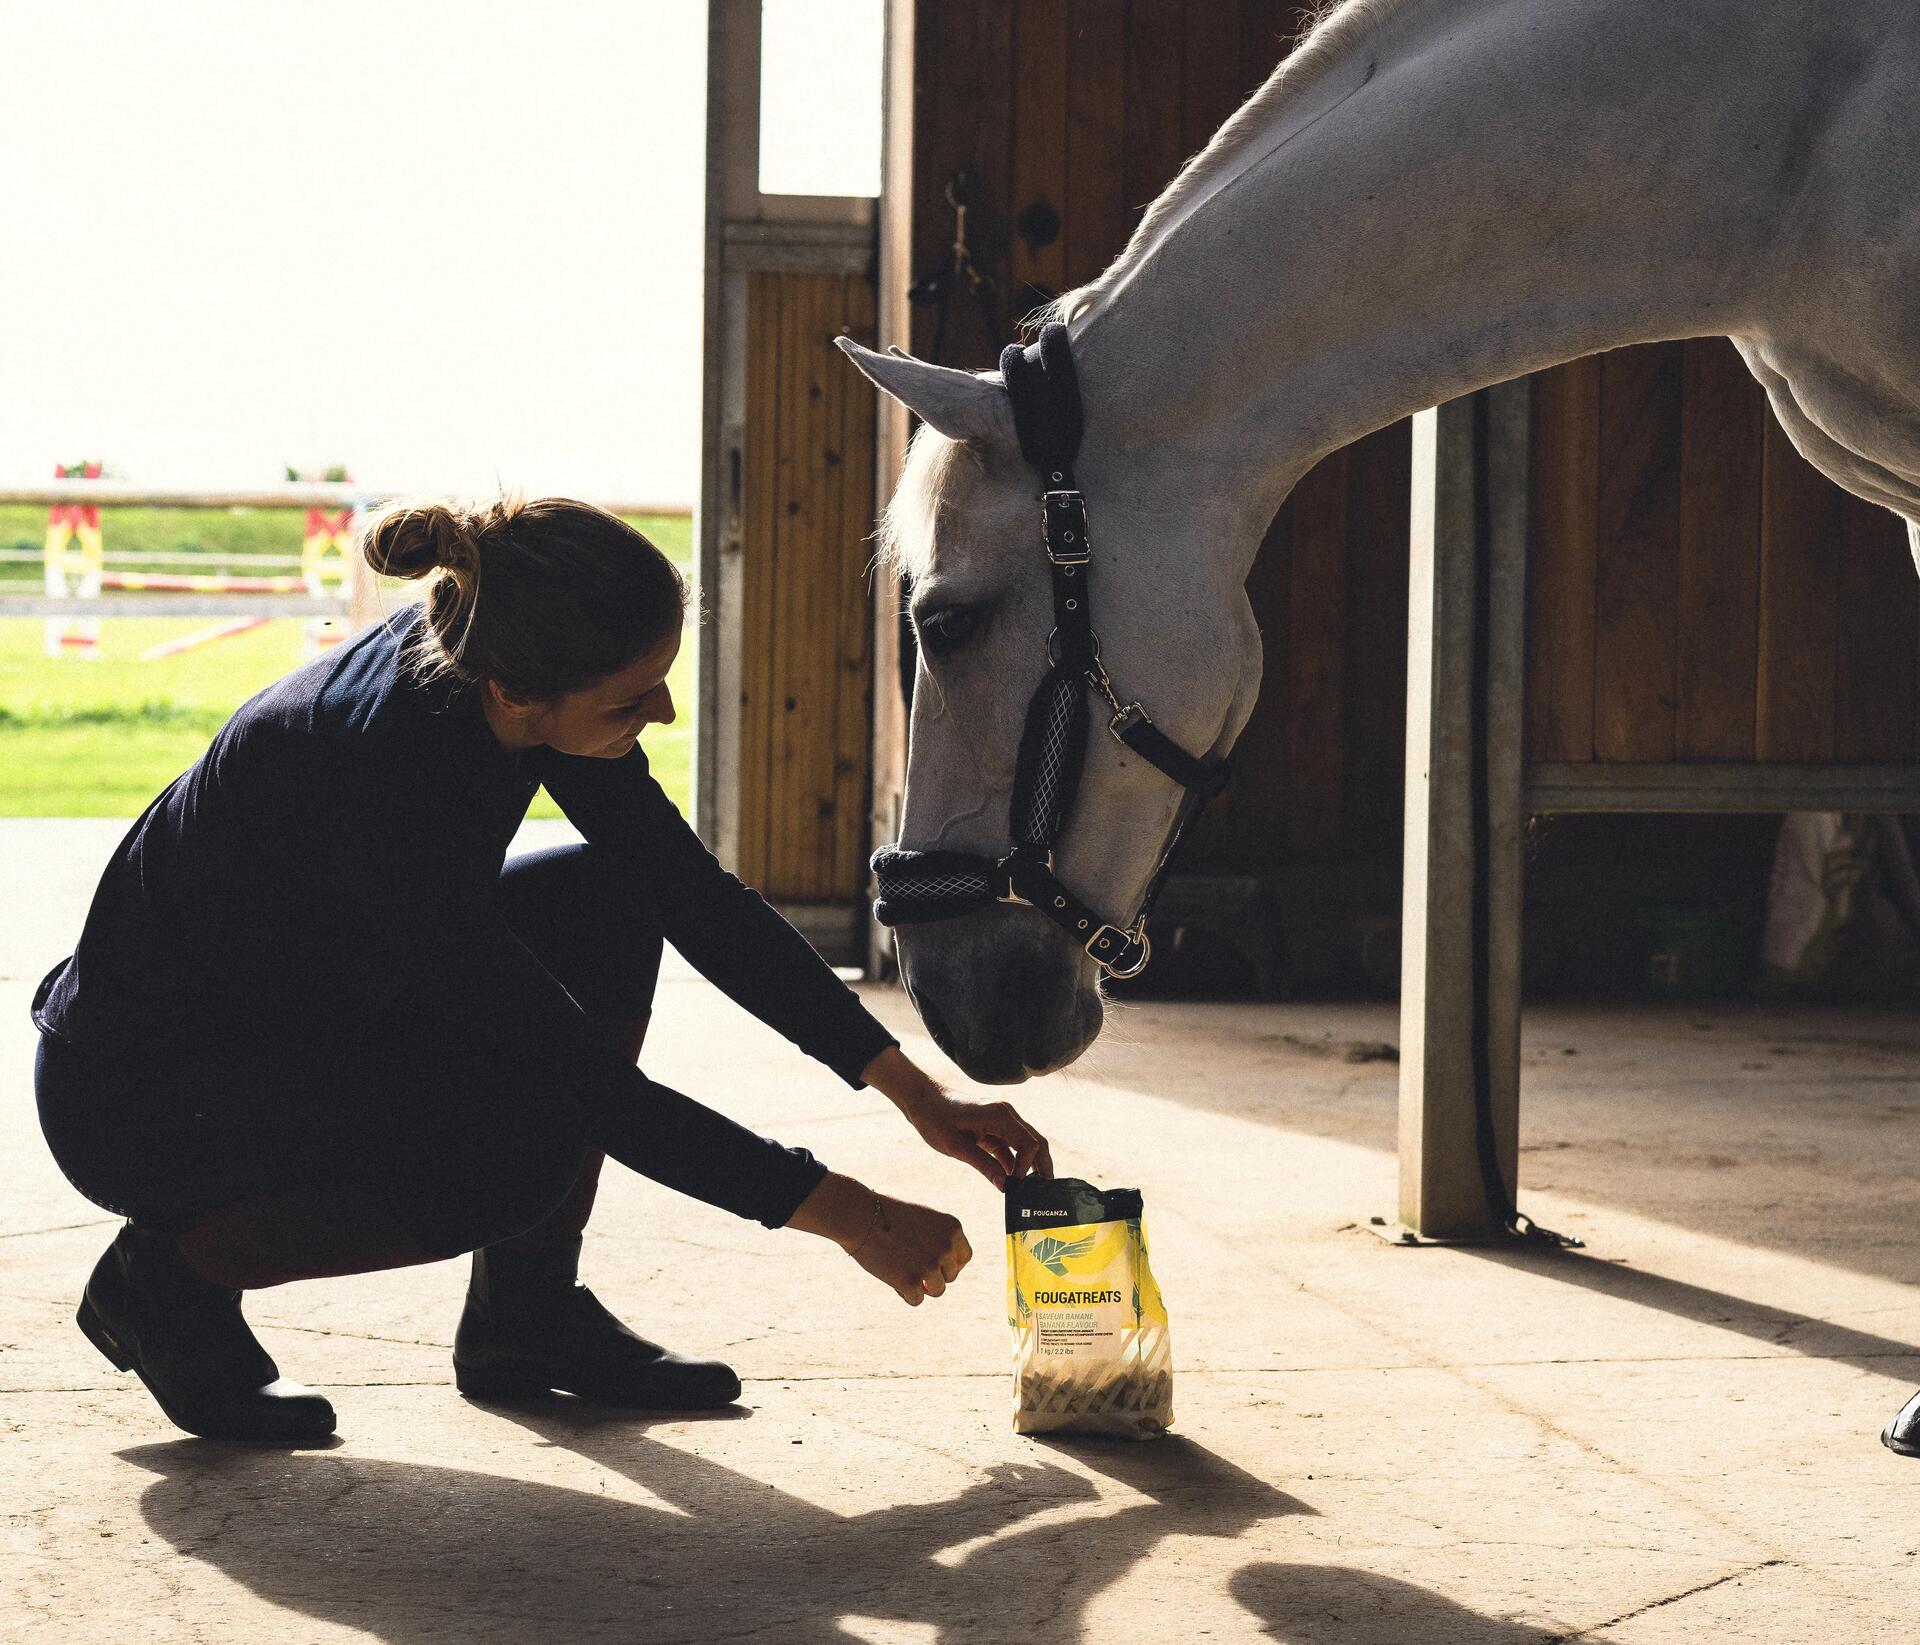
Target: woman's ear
{"x": 507, "y": 702}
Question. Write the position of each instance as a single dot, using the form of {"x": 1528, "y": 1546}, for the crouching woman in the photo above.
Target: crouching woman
{"x": 316, "y": 1024}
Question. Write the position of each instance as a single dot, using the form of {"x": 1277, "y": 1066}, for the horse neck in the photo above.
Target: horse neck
{"x": 1474, "y": 189}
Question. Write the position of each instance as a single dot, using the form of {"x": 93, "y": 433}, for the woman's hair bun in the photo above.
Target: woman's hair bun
{"x": 421, "y": 538}
{"x": 573, "y": 593}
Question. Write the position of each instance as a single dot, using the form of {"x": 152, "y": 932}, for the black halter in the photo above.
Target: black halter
{"x": 936, "y": 885}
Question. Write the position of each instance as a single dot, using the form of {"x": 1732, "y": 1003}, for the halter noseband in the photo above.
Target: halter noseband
{"x": 917, "y": 886}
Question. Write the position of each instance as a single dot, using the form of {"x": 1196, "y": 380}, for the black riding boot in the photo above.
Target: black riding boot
{"x": 148, "y": 1311}
{"x": 1902, "y": 1434}
{"x": 530, "y": 1326}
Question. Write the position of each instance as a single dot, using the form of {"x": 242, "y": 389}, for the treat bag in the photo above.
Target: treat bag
{"x": 1090, "y": 1348}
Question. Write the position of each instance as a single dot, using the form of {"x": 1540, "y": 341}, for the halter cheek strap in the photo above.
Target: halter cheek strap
{"x": 917, "y": 886}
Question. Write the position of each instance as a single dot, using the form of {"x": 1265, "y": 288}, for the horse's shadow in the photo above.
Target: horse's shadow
{"x": 1338, "y": 1605}
{"x": 413, "y": 1553}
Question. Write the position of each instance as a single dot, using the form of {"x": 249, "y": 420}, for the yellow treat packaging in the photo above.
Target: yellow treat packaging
{"x": 1090, "y": 1346}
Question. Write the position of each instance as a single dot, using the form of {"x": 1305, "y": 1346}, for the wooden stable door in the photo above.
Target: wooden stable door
{"x": 786, "y": 522}
{"x": 805, "y": 617}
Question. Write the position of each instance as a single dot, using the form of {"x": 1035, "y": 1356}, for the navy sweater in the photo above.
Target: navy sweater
{"x": 333, "y": 857}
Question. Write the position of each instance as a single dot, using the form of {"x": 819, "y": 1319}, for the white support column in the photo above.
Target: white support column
{"x": 1460, "y": 967}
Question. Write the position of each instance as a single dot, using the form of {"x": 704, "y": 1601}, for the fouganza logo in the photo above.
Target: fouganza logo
{"x": 1069, "y": 1299}
{"x": 1028, "y": 1211}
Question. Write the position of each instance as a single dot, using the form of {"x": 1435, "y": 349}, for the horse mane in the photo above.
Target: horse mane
{"x": 904, "y": 541}
{"x": 1330, "y": 31}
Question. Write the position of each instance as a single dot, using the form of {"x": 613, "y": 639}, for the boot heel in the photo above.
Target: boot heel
{"x": 88, "y": 1319}
{"x": 500, "y": 1384}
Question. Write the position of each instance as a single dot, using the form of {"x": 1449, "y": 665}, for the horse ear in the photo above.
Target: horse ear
{"x": 958, "y": 404}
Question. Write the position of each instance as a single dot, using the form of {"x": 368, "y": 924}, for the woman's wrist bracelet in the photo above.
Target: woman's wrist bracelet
{"x": 875, "y": 1222}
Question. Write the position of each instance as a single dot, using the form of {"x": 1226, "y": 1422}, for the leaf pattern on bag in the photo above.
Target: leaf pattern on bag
{"x": 1053, "y": 1254}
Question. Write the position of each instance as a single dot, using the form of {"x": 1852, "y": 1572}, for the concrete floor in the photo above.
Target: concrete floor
{"x": 1669, "y": 1437}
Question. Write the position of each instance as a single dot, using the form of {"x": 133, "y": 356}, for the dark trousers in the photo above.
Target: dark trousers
{"x": 396, "y": 1121}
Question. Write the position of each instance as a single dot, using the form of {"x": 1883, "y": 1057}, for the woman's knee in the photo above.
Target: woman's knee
{"x": 537, "y": 1143}
{"x": 465, "y": 1222}
{"x": 588, "y": 918}
{"x": 513, "y": 1167}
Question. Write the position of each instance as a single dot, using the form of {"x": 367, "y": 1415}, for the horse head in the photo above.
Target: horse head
{"x": 1004, "y": 991}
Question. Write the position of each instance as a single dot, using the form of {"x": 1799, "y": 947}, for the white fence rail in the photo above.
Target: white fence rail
{"x": 179, "y": 605}
{"x": 358, "y": 604}
{"x": 295, "y": 494}
{"x": 160, "y": 556}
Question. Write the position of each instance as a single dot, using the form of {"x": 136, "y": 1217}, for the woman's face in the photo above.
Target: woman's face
{"x": 603, "y": 720}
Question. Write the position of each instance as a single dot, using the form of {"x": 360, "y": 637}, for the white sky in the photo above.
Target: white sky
{"x": 451, "y": 243}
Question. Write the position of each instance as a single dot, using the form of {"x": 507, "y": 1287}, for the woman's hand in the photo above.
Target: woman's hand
{"x": 989, "y": 1136}
{"x": 913, "y": 1248}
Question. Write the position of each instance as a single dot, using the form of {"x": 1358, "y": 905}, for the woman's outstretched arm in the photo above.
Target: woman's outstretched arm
{"x": 724, "y": 929}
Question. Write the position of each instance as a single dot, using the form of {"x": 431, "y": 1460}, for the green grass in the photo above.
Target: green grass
{"x": 100, "y": 737}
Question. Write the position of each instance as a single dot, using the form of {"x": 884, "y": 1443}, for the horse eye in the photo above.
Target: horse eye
{"x": 945, "y": 631}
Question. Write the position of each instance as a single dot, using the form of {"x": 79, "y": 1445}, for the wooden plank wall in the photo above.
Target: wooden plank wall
{"x": 1319, "y": 770}
{"x": 1081, "y": 153}
{"x": 1078, "y": 111}
{"x": 806, "y": 617}
{"x": 1697, "y": 592}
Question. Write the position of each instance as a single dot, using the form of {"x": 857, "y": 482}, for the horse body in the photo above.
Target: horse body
{"x": 1430, "y": 196}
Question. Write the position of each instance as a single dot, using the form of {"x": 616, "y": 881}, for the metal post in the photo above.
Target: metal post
{"x": 1460, "y": 967}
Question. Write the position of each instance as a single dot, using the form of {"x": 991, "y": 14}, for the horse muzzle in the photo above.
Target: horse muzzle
{"x": 1005, "y": 997}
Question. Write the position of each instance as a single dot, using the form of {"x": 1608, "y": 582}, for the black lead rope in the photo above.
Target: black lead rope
{"x": 932, "y": 885}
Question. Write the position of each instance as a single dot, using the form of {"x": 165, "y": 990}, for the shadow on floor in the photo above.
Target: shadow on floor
{"x": 412, "y": 1553}
{"x": 1798, "y": 1333}
{"x": 1336, "y": 1605}
{"x": 1706, "y": 1117}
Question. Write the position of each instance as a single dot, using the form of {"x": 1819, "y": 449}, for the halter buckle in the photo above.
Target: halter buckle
{"x": 1129, "y": 716}
{"x": 1119, "y": 941}
{"x": 1012, "y": 897}
{"x": 1063, "y": 527}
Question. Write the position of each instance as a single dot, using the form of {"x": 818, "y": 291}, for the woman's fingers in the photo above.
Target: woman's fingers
{"x": 1033, "y": 1148}
{"x": 917, "y": 1251}
{"x": 993, "y": 1139}
{"x": 988, "y": 1167}
{"x": 1008, "y": 1138}
{"x": 935, "y": 1282}
{"x": 1003, "y": 1154}
{"x": 1029, "y": 1146}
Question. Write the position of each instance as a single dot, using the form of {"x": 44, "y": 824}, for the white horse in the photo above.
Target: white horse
{"x": 1428, "y": 197}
